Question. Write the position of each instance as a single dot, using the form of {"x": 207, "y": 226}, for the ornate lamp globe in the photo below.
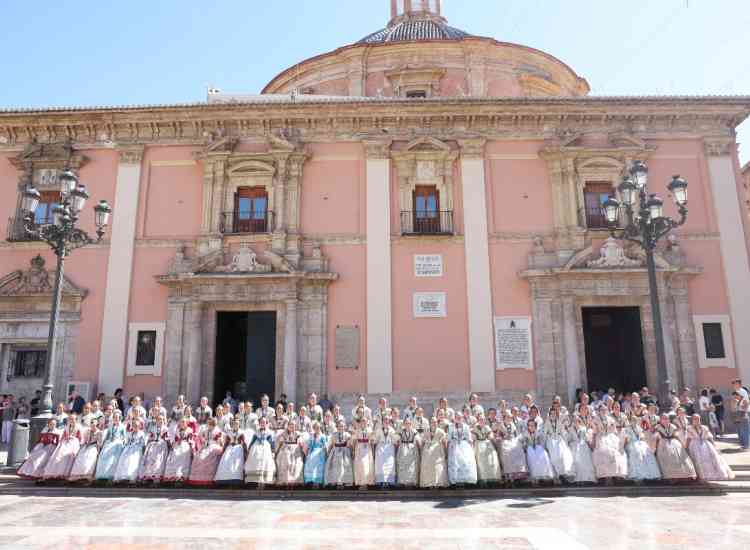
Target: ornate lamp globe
{"x": 678, "y": 188}
{"x": 639, "y": 173}
{"x": 30, "y": 200}
{"x": 628, "y": 192}
{"x": 655, "y": 207}
{"x": 612, "y": 210}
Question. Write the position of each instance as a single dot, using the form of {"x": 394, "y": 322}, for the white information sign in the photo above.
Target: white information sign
{"x": 428, "y": 265}
{"x": 513, "y": 347}
{"x": 429, "y": 304}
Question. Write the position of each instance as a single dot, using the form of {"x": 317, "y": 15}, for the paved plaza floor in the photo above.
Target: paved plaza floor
{"x": 569, "y": 523}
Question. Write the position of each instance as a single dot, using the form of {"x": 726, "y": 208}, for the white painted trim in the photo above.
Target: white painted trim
{"x": 331, "y": 158}
{"x": 478, "y": 283}
{"x": 726, "y": 333}
{"x": 734, "y": 254}
{"x": 119, "y": 274}
{"x": 133, "y": 330}
{"x": 379, "y": 345}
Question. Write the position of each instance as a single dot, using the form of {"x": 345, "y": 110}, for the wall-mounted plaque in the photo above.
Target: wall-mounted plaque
{"x": 429, "y": 304}
{"x": 347, "y": 347}
{"x": 513, "y": 347}
{"x": 428, "y": 265}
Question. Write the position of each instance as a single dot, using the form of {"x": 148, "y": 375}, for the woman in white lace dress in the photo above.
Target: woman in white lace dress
{"x": 462, "y": 464}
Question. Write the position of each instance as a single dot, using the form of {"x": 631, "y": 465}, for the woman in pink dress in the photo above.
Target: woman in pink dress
{"x": 709, "y": 464}
{"x": 180, "y": 456}
{"x": 210, "y": 447}
{"x": 157, "y": 450}
{"x": 61, "y": 461}
{"x": 33, "y": 466}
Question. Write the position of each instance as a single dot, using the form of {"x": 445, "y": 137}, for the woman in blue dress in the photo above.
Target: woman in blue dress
{"x": 114, "y": 443}
{"x": 129, "y": 463}
{"x": 315, "y": 447}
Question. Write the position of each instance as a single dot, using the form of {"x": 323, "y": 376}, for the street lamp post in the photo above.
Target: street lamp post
{"x": 63, "y": 237}
{"x": 639, "y": 217}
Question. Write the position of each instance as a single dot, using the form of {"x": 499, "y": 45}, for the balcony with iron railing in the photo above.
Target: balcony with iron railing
{"x": 239, "y": 222}
{"x": 16, "y": 231}
{"x": 427, "y": 222}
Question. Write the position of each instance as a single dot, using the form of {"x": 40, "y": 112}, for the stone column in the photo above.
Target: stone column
{"x": 193, "y": 356}
{"x": 207, "y": 225}
{"x": 685, "y": 337}
{"x": 113, "y": 346}
{"x": 173, "y": 349}
{"x": 290, "y": 351}
{"x": 570, "y": 339}
{"x": 379, "y": 343}
{"x": 478, "y": 283}
{"x": 728, "y": 205}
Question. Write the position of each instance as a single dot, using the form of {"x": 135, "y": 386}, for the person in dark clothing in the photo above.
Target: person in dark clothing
{"x": 35, "y": 403}
{"x": 718, "y": 402}
{"x": 120, "y": 402}
{"x": 75, "y": 402}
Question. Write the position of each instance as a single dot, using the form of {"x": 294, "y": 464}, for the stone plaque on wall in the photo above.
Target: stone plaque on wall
{"x": 513, "y": 348}
{"x": 429, "y": 304}
{"x": 347, "y": 347}
{"x": 428, "y": 265}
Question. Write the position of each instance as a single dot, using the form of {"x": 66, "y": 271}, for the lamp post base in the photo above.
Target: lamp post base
{"x": 38, "y": 423}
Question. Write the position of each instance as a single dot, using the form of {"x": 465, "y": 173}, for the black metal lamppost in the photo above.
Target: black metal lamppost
{"x": 63, "y": 237}
{"x": 639, "y": 217}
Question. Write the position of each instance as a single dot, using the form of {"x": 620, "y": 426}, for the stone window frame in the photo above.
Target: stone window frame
{"x": 595, "y": 170}
{"x": 250, "y": 173}
{"x": 149, "y": 370}
{"x": 407, "y": 164}
{"x": 726, "y": 332}
{"x": 8, "y": 349}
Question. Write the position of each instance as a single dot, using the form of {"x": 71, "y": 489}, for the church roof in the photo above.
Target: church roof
{"x": 413, "y": 30}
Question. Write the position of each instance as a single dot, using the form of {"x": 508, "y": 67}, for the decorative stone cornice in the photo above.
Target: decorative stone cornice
{"x": 131, "y": 154}
{"x": 472, "y": 148}
{"x": 721, "y": 146}
{"x": 352, "y": 118}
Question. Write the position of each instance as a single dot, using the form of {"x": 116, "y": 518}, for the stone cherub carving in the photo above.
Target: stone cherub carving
{"x": 612, "y": 255}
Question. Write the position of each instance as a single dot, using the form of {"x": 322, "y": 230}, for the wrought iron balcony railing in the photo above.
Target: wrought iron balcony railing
{"x": 239, "y": 222}
{"x": 427, "y": 222}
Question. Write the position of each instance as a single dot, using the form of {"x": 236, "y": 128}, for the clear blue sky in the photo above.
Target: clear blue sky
{"x": 99, "y": 52}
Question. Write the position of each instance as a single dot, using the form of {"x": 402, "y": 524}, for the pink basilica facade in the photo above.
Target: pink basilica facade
{"x": 417, "y": 213}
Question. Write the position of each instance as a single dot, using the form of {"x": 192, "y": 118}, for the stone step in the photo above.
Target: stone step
{"x": 31, "y": 489}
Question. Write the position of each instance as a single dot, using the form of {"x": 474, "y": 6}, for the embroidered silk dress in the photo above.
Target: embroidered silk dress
{"x": 339, "y": 467}
{"x": 180, "y": 458}
{"x": 290, "y": 460}
{"x": 555, "y": 441}
{"x": 512, "y": 453}
{"x": 642, "y": 462}
{"x": 114, "y": 443}
{"x": 84, "y": 466}
{"x": 128, "y": 466}
{"x": 231, "y": 469}
{"x": 709, "y": 464}
{"x": 207, "y": 457}
{"x": 61, "y": 461}
{"x": 673, "y": 458}
{"x": 407, "y": 459}
{"x": 33, "y": 466}
{"x": 315, "y": 462}
{"x": 156, "y": 453}
{"x": 385, "y": 456}
{"x": 583, "y": 458}
{"x": 260, "y": 466}
{"x": 488, "y": 461}
{"x": 433, "y": 471}
{"x": 462, "y": 464}
{"x": 610, "y": 460}
{"x": 364, "y": 462}
{"x": 540, "y": 466}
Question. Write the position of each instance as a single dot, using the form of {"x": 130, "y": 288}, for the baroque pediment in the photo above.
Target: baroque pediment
{"x": 48, "y": 155}
{"x": 36, "y": 281}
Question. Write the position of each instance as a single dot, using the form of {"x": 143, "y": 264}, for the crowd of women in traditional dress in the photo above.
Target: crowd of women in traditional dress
{"x": 384, "y": 446}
